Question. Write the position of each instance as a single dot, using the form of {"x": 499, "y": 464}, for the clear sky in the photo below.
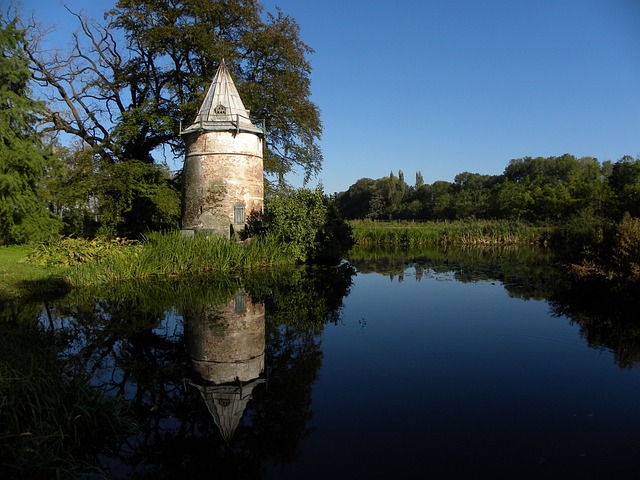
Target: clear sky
{"x": 448, "y": 86}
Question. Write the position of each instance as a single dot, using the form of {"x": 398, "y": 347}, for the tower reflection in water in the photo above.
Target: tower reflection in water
{"x": 226, "y": 343}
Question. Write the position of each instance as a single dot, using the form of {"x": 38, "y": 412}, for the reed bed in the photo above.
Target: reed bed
{"x": 172, "y": 254}
{"x": 463, "y": 232}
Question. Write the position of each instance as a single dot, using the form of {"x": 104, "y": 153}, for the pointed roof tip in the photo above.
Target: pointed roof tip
{"x": 222, "y": 108}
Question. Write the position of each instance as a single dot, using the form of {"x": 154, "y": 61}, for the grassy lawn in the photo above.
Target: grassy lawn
{"x": 17, "y": 277}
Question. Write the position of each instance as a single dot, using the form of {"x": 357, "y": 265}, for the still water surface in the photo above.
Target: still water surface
{"x": 454, "y": 379}
{"x": 408, "y": 368}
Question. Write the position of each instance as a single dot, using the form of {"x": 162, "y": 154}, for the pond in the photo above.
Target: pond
{"x": 443, "y": 364}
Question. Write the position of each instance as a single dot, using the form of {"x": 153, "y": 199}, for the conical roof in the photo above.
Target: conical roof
{"x": 227, "y": 403}
{"x": 222, "y": 108}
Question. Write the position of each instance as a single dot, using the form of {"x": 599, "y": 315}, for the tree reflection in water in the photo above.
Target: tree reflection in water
{"x": 249, "y": 347}
{"x": 527, "y": 273}
{"x": 216, "y": 375}
{"x": 604, "y": 325}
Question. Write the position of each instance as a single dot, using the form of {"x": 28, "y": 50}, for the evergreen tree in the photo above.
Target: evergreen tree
{"x": 402, "y": 184}
{"x": 23, "y": 216}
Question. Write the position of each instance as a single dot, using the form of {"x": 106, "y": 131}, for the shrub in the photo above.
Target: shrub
{"x": 584, "y": 235}
{"x": 67, "y": 251}
{"x": 309, "y": 225}
{"x": 611, "y": 264}
{"x": 626, "y": 252}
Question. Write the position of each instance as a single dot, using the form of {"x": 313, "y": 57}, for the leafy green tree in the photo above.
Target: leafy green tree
{"x": 126, "y": 98}
{"x": 375, "y": 199}
{"x": 553, "y": 188}
{"x": 588, "y": 186}
{"x": 394, "y": 189}
{"x": 387, "y": 196}
{"x": 71, "y": 190}
{"x": 136, "y": 198}
{"x": 624, "y": 181}
{"x": 534, "y": 189}
{"x": 472, "y": 195}
{"x": 514, "y": 200}
{"x": 125, "y": 199}
{"x": 441, "y": 200}
{"x": 420, "y": 198}
{"x": 356, "y": 201}
{"x": 378, "y": 204}
{"x": 402, "y": 184}
{"x": 23, "y": 158}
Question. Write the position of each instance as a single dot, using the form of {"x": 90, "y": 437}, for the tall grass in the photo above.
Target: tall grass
{"x": 172, "y": 254}
{"x": 464, "y": 232}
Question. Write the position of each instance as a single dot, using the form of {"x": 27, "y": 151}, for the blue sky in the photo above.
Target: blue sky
{"x": 443, "y": 87}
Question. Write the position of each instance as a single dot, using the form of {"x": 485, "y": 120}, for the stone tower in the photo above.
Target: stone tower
{"x": 223, "y": 183}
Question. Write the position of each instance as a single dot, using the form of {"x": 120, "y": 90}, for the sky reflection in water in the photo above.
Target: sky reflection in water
{"x": 450, "y": 378}
{"x": 427, "y": 369}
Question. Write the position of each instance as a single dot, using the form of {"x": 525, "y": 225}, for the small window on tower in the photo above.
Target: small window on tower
{"x": 238, "y": 214}
{"x": 220, "y": 110}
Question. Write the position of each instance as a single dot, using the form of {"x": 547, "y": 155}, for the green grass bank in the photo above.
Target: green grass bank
{"x": 71, "y": 262}
{"x": 19, "y": 276}
{"x": 168, "y": 255}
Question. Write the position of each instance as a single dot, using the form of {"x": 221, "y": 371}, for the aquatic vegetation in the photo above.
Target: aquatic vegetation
{"x": 465, "y": 232}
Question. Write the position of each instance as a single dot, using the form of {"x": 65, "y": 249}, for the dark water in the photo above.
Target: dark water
{"x": 439, "y": 365}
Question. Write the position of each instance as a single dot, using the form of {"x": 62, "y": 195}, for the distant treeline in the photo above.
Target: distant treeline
{"x": 532, "y": 189}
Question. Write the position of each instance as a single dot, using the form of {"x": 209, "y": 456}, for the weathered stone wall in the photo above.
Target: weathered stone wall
{"x": 221, "y": 169}
{"x": 225, "y": 344}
